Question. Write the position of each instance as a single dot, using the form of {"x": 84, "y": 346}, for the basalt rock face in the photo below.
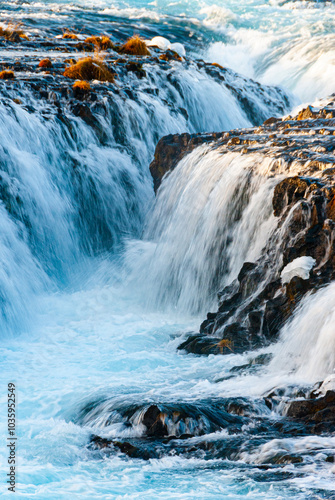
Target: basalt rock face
{"x": 254, "y": 307}
{"x": 305, "y": 140}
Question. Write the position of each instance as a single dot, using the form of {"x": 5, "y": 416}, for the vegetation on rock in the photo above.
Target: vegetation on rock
{"x": 82, "y": 85}
{"x": 70, "y": 36}
{"x": 135, "y": 46}
{"x": 7, "y": 75}
{"x": 89, "y": 69}
{"x": 14, "y": 34}
{"x": 45, "y": 63}
{"x": 100, "y": 42}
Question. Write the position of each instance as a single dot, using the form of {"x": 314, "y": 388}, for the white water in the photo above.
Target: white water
{"x": 89, "y": 335}
{"x": 213, "y": 213}
{"x": 98, "y": 342}
{"x": 307, "y": 346}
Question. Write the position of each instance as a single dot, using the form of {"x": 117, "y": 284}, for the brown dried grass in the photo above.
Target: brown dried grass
{"x": 100, "y": 42}
{"x": 89, "y": 69}
{"x": 81, "y": 85}
{"x": 45, "y": 63}
{"x": 14, "y": 34}
{"x": 7, "y": 75}
{"x": 69, "y": 35}
{"x": 134, "y": 46}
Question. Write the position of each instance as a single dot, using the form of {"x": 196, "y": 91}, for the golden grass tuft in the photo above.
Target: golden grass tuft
{"x": 229, "y": 344}
{"x": 81, "y": 85}
{"x": 134, "y": 46}
{"x": 100, "y": 42}
{"x": 69, "y": 36}
{"x": 45, "y": 63}
{"x": 89, "y": 69}
{"x": 7, "y": 75}
{"x": 13, "y": 34}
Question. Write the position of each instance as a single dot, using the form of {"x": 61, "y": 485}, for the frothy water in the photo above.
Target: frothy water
{"x": 308, "y": 341}
{"x": 92, "y": 315}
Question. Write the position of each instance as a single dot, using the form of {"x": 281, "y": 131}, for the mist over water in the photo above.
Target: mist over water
{"x": 100, "y": 282}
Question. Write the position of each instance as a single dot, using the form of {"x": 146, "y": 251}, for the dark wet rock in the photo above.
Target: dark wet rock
{"x": 100, "y": 443}
{"x": 289, "y": 191}
{"x": 109, "y": 445}
{"x": 136, "y": 68}
{"x": 319, "y": 414}
{"x": 201, "y": 344}
{"x": 285, "y": 459}
{"x": 248, "y": 425}
{"x": 171, "y": 149}
{"x": 153, "y": 420}
{"x": 253, "y": 364}
{"x": 170, "y": 55}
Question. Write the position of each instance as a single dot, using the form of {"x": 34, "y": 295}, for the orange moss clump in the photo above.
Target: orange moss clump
{"x": 134, "y": 46}
{"x": 82, "y": 85}
{"x": 13, "y": 34}
{"x": 45, "y": 63}
{"x": 101, "y": 42}
{"x": 89, "y": 69}
{"x": 7, "y": 75}
{"x": 70, "y": 36}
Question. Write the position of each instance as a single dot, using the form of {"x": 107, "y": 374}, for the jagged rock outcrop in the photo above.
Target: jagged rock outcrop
{"x": 306, "y": 140}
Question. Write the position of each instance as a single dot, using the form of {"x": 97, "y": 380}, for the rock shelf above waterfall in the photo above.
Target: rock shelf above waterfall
{"x": 304, "y": 142}
{"x": 185, "y": 86}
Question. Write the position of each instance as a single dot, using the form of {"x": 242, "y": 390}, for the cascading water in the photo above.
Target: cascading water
{"x": 212, "y": 213}
{"x": 76, "y": 189}
{"x": 76, "y": 194}
{"x": 308, "y": 341}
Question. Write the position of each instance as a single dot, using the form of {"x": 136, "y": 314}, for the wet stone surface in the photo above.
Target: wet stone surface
{"x": 228, "y": 429}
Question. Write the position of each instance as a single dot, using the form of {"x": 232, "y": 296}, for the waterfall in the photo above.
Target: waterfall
{"x": 212, "y": 213}
{"x": 75, "y": 181}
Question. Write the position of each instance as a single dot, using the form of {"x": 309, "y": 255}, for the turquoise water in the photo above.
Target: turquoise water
{"x": 78, "y": 330}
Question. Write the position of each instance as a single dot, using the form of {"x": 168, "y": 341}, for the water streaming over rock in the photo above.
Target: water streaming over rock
{"x": 84, "y": 245}
{"x": 307, "y": 345}
{"x": 212, "y": 213}
{"x": 73, "y": 188}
